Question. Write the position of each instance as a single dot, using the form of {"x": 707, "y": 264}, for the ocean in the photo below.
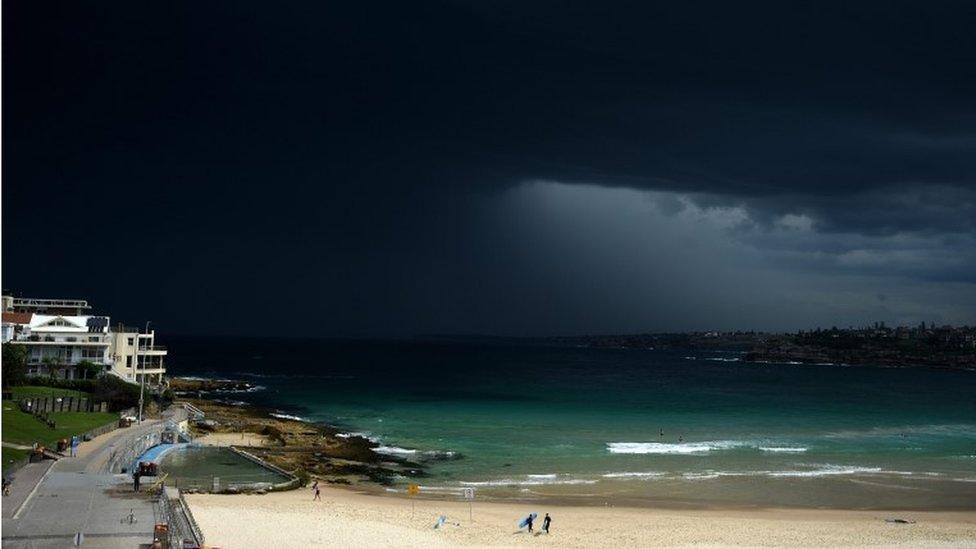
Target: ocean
{"x": 513, "y": 419}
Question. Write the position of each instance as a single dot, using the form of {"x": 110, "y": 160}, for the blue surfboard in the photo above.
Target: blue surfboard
{"x": 525, "y": 521}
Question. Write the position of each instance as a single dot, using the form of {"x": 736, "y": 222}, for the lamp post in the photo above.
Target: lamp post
{"x": 142, "y": 379}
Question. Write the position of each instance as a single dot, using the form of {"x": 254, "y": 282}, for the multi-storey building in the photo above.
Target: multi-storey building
{"x": 57, "y": 344}
{"x": 59, "y": 336}
{"x": 73, "y": 307}
{"x": 135, "y": 355}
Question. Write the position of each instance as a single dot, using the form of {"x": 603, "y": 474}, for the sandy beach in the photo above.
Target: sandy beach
{"x": 345, "y": 518}
{"x": 232, "y": 439}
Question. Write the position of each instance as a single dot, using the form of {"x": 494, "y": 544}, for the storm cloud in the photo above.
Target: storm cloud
{"x": 502, "y": 167}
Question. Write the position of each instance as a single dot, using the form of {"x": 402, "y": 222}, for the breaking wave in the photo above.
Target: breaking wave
{"x": 634, "y": 475}
{"x": 531, "y": 480}
{"x": 670, "y": 448}
{"x": 282, "y": 415}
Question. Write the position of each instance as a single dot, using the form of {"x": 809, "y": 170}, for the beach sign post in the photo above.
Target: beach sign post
{"x": 469, "y": 495}
{"x": 413, "y": 490}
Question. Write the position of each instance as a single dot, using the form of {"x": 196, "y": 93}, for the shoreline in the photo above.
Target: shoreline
{"x": 613, "y": 501}
{"x": 338, "y": 457}
{"x": 352, "y": 518}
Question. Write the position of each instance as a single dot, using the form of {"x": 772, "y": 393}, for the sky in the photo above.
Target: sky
{"x": 498, "y": 168}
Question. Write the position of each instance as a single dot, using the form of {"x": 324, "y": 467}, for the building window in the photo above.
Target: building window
{"x": 128, "y": 362}
{"x": 92, "y": 354}
{"x": 131, "y": 341}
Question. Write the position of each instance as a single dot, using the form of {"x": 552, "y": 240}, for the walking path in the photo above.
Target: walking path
{"x": 56, "y": 500}
{"x": 25, "y": 480}
{"x": 17, "y": 446}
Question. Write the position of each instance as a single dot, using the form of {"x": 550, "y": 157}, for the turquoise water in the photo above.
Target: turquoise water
{"x": 536, "y": 421}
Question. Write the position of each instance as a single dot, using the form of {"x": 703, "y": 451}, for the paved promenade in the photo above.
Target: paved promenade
{"x": 80, "y": 495}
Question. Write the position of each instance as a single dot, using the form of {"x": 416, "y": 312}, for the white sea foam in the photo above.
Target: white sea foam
{"x": 724, "y": 359}
{"x": 231, "y": 402}
{"x": 410, "y": 452}
{"x": 783, "y": 449}
{"x": 826, "y": 471}
{"x": 702, "y": 476}
{"x": 251, "y": 389}
{"x": 636, "y": 475}
{"x": 681, "y": 448}
{"x": 549, "y": 475}
{"x": 822, "y": 471}
{"x": 530, "y": 481}
{"x": 280, "y": 415}
{"x": 394, "y": 451}
{"x": 367, "y": 436}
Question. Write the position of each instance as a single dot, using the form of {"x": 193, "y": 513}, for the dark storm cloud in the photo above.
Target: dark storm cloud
{"x": 341, "y": 155}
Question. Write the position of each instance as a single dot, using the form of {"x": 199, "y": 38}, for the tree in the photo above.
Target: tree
{"x": 14, "y": 365}
{"x": 50, "y": 362}
{"x": 88, "y": 369}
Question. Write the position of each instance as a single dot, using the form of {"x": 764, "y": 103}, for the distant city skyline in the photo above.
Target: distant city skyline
{"x": 343, "y": 170}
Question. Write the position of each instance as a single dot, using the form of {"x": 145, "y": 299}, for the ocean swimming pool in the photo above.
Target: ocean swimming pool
{"x": 197, "y": 466}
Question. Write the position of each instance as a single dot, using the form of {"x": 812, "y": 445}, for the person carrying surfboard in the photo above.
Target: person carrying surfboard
{"x": 545, "y": 523}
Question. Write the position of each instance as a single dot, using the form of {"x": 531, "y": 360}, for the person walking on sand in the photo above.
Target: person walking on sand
{"x": 318, "y": 494}
{"x": 528, "y": 521}
{"x": 315, "y": 485}
{"x": 545, "y": 523}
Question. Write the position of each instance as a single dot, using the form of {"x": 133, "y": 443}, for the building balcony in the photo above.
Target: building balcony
{"x": 64, "y": 362}
{"x": 152, "y": 350}
{"x": 51, "y": 340}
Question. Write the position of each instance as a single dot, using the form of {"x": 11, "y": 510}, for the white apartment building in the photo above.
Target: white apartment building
{"x": 56, "y": 344}
{"x": 136, "y": 357}
{"x": 73, "y": 307}
{"x": 59, "y": 336}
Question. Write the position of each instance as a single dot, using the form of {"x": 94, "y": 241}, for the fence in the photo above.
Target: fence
{"x": 97, "y": 431}
{"x": 128, "y": 450}
{"x": 36, "y": 405}
{"x": 171, "y": 509}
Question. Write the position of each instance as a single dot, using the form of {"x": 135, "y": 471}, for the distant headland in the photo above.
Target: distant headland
{"x": 878, "y": 345}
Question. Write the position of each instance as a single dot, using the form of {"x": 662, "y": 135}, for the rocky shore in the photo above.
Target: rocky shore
{"x": 310, "y": 450}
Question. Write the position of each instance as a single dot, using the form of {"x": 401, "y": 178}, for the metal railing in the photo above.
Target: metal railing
{"x": 129, "y": 450}
{"x": 172, "y": 510}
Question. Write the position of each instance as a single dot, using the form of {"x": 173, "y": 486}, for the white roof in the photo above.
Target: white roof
{"x": 61, "y": 323}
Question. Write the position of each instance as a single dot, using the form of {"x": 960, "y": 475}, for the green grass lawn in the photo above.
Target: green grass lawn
{"x": 11, "y": 455}
{"x": 40, "y": 391}
{"x": 23, "y": 428}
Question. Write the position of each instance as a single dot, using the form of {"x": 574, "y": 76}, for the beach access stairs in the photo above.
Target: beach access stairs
{"x": 194, "y": 412}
